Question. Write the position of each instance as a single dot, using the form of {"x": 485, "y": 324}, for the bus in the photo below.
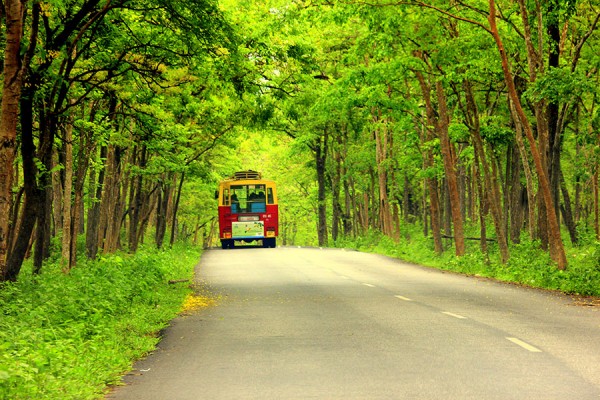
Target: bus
{"x": 248, "y": 210}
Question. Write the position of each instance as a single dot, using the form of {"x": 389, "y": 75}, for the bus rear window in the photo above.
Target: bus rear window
{"x": 247, "y": 198}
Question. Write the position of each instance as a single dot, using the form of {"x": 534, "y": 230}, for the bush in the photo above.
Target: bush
{"x": 69, "y": 336}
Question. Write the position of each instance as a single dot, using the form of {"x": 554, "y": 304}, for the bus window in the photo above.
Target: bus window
{"x": 226, "y": 197}
{"x": 270, "y": 196}
{"x": 239, "y": 197}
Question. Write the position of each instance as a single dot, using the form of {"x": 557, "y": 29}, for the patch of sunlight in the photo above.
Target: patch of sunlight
{"x": 195, "y": 302}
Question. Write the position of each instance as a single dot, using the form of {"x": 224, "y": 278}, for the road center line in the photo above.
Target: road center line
{"x": 524, "y": 345}
{"x": 453, "y": 315}
{"x": 402, "y": 298}
{"x": 368, "y": 284}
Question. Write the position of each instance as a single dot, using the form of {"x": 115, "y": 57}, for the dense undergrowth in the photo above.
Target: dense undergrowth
{"x": 528, "y": 265}
{"x": 70, "y": 336}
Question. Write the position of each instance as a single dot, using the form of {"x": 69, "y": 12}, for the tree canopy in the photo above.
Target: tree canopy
{"x": 464, "y": 120}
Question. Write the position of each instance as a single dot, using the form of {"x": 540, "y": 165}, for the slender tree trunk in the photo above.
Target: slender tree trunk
{"x": 176, "y": 208}
{"x": 78, "y": 209}
{"x": 381, "y": 144}
{"x": 67, "y": 238}
{"x": 596, "y": 203}
{"x": 136, "y": 203}
{"x": 335, "y": 198}
{"x": 32, "y": 204}
{"x": 483, "y": 200}
{"x": 93, "y": 219}
{"x": 490, "y": 179}
{"x": 320, "y": 158}
{"x": 43, "y": 233}
{"x": 526, "y": 171}
{"x": 57, "y": 183}
{"x": 9, "y": 115}
{"x": 111, "y": 209}
{"x": 432, "y": 184}
{"x": 161, "y": 213}
{"x": 515, "y": 195}
{"x": 557, "y": 251}
{"x": 450, "y": 169}
{"x": 567, "y": 211}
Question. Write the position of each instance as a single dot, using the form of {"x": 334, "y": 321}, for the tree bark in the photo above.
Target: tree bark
{"x": 320, "y": 150}
{"x": 67, "y": 237}
{"x": 381, "y": 150}
{"x": 9, "y": 115}
{"x": 450, "y": 169}
{"x": 93, "y": 219}
{"x": 431, "y": 181}
{"x": 176, "y": 208}
{"x": 491, "y": 186}
{"x": 557, "y": 251}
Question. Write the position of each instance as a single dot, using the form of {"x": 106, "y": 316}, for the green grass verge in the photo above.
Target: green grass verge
{"x": 70, "y": 336}
{"x": 528, "y": 265}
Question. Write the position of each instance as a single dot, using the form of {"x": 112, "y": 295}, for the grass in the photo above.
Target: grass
{"x": 71, "y": 336}
{"x": 528, "y": 265}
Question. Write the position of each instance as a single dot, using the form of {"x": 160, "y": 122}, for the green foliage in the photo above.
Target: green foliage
{"x": 69, "y": 336}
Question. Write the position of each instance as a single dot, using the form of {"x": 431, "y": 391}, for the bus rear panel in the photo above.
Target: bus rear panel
{"x": 248, "y": 210}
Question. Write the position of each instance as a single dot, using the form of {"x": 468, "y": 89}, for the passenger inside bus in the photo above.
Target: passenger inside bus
{"x": 235, "y": 204}
{"x": 257, "y": 201}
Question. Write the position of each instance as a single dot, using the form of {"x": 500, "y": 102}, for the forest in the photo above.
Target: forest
{"x": 473, "y": 121}
{"x": 460, "y": 134}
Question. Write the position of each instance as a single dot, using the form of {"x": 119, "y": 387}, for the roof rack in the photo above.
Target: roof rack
{"x": 246, "y": 175}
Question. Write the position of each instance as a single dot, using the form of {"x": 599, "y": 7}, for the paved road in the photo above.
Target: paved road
{"x": 333, "y": 324}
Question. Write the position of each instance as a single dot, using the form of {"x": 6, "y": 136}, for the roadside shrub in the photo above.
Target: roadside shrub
{"x": 69, "y": 336}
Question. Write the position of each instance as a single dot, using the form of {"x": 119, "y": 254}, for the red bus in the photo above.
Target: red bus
{"x": 248, "y": 210}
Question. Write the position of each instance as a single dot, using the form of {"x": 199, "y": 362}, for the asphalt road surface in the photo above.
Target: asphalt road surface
{"x": 332, "y": 324}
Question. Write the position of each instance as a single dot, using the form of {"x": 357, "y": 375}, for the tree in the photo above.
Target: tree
{"x": 9, "y": 116}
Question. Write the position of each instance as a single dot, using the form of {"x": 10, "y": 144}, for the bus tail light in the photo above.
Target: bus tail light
{"x": 227, "y": 234}
{"x": 270, "y": 232}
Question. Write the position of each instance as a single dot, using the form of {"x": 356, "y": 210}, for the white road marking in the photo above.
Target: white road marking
{"x": 344, "y": 277}
{"x": 368, "y": 284}
{"x": 524, "y": 345}
{"x": 453, "y": 315}
{"x": 403, "y": 298}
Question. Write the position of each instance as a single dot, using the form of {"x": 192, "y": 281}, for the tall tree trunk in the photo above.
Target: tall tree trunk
{"x": 320, "y": 150}
{"x": 110, "y": 208}
{"x": 93, "y": 219}
{"x": 596, "y": 203}
{"x": 67, "y": 238}
{"x": 557, "y": 251}
{"x": 567, "y": 211}
{"x": 57, "y": 182}
{"x": 381, "y": 150}
{"x": 43, "y": 233}
{"x": 450, "y": 168}
{"x": 428, "y": 162}
{"x": 490, "y": 179}
{"x": 336, "y": 216}
{"x": 531, "y": 202}
{"x": 32, "y": 204}
{"x": 515, "y": 188}
{"x": 161, "y": 213}
{"x": 175, "y": 209}
{"x": 136, "y": 195}
{"x": 85, "y": 148}
{"x": 483, "y": 203}
{"x": 9, "y": 115}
